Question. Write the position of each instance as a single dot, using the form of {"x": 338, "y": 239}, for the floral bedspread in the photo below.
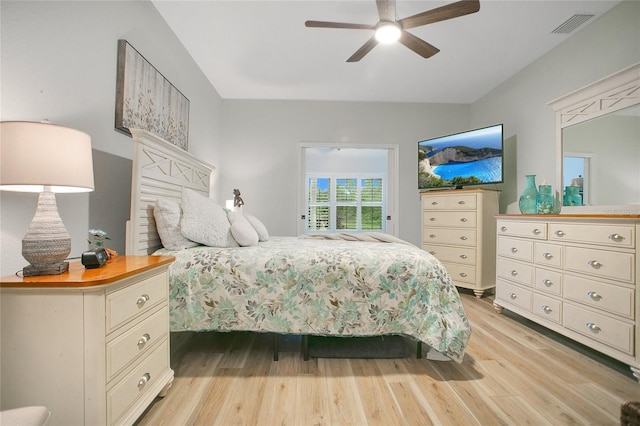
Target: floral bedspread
{"x": 305, "y": 286}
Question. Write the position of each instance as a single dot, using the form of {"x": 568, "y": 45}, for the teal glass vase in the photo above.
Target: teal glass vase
{"x": 545, "y": 200}
{"x": 528, "y": 197}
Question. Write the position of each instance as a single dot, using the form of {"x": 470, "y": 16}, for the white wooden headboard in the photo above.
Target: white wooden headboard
{"x": 160, "y": 170}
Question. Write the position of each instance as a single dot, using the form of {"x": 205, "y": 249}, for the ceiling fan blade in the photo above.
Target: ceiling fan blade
{"x": 366, "y": 48}
{"x": 418, "y": 45}
{"x": 323, "y": 24}
{"x": 386, "y": 10}
{"x": 453, "y": 10}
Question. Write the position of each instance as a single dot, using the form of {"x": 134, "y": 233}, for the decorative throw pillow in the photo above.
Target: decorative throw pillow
{"x": 263, "y": 234}
{"x": 205, "y": 221}
{"x": 242, "y": 231}
{"x": 168, "y": 214}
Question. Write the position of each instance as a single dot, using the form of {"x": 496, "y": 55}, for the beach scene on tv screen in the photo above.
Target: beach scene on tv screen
{"x": 469, "y": 158}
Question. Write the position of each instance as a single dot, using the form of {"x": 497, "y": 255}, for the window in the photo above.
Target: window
{"x": 345, "y": 203}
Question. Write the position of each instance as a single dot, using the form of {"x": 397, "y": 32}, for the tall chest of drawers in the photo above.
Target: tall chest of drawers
{"x": 458, "y": 228}
{"x": 90, "y": 345}
{"x": 575, "y": 275}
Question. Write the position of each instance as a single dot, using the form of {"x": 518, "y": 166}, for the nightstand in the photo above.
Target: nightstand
{"x": 92, "y": 345}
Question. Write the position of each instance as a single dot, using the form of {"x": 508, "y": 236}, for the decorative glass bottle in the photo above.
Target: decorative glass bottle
{"x": 528, "y": 197}
{"x": 545, "y": 200}
{"x": 572, "y": 196}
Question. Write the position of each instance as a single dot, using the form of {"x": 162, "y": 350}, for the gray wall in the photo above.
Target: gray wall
{"x": 58, "y": 61}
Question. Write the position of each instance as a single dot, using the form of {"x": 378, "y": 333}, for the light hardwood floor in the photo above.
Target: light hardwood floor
{"x": 512, "y": 374}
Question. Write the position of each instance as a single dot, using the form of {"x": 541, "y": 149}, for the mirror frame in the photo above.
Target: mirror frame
{"x": 607, "y": 95}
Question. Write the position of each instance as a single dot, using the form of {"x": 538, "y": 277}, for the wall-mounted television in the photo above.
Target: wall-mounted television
{"x": 463, "y": 159}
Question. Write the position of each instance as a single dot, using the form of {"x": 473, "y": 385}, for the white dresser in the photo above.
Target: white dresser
{"x": 90, "y": 345}
{"x": 458, "y": 228}
{"x": 575, "y": 275}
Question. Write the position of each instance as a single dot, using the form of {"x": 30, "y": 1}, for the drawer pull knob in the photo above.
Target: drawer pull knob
{"x": 616, "y": 237}
{"x": 559, "y": 233}
{"x": 461, "y": 202}
{"x": 591, "y": 326}
{"x": 547, "y": 309}
{"x": 547, "y": 282}
{"x": 547, "y": 256}
{"x": 142, "y": 300}
{"x": 464, "y": 219}
{"x": 432, "y": 219}
{"x": 536, "y": 231}
{"x": 463, "y": 274}
{"x": 432, "y": 235}
{"x": 514, "y": 272}
{"x": 144, "y": 339}
{"x": 463, "y": 238}
{"x": 433, "y": 253}
{"x": 595, "y": 296}
{"x": 595, "y": 264}
{"x": 503, "y": 229}
{"x": 434, "y": 203}
{"x": 514, "y": 249}
{"x": 463, "y": 256}
{"x": 512, "y": 295}
{"x": 144, "y": 380}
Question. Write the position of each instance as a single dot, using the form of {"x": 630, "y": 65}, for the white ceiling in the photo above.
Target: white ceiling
{"x": 262, "y": 49}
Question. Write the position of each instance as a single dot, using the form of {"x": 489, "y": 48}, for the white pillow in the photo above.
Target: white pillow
{"x": 241, "y": 229}
{"x": 263, "y": 234}
{"x": 205, "y": 221}
{"x": 167, "y": 214}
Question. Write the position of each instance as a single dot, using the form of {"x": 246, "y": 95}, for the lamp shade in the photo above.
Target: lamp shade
{"x": 34, "y": 155}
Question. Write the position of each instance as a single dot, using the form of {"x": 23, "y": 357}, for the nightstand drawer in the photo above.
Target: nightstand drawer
{"x": 462, "y": 219}
{"x": 523, "y": 229}
{"x": 449, "y": 202}
{"x": 515, "y": 295}
{"x": 514, "y": 271}
{"x": 601, "y": 328}
{"x": 459, "y": 237}
{"x": 453, "y": 254}
{"x": 136, "y": 383}
{"x": 611, "y": 298}
{"x": 136, "y": 341}
{"x": 602, "y": 263}
{"x": 547, "y": 308}
{"x": 122, "y": 305}
{"x": 606, "y": 235}
{"x": 515, "y": 248}
{"x": 462, "y": 273}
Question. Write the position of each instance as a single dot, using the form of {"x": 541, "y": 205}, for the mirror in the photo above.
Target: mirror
{"x": 602, "y": 157}
{"x": 598, "y": 145}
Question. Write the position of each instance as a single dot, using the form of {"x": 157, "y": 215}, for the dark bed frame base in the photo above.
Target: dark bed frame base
{"x": 305, "y": 347}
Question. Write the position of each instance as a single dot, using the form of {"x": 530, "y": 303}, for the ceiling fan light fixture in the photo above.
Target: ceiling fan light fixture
{"x": 388, "y": 32}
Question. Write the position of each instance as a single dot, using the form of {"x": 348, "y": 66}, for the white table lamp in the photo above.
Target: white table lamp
{"x": 45, "y": 158}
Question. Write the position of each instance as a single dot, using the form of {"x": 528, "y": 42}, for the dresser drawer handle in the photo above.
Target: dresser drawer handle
{"x": 463, "y": 256}
{"x": 513, "y": 296}
{"x": 547, "y": 256}
{"x": 464, "y": 219}
{"x": 503, "y": 229}
{"x": 591, "y": 326}
{"x": 616, "y": 237}
{"x": 546, "y": 309}
{"x": 514, "y": 249}
{"x": 144, "y": 339}
{"x": 144, "y": 380}
{"x": 547, "y": 282}
{"x": 560, "y": 233}
{"x": 461, "y": 202}
{"x": 514, "y": 272}
{"x": 536, "y": 231}
{"x": 595, "y": 264}
{"x": 463, "y": 238}
{"x": 595, "y": 296}
{"x": 463, "y": 274}
{"x": 142, "y": 300}
{"x": 434, "y": 203}
{"x": 432, "y": 253}
{"x": 432, "y": 219}
{"x": 432, "y": 235}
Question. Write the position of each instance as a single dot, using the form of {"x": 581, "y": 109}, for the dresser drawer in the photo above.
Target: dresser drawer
{"x": 611, "y": 298}
{"x": 449, "y": 202}
{"x": 548, "y": 255}
{"x": 602, "y": 263}
{"x": 547, "y": 308}
{"x": 463, "y": 219}
{"x": 462, "y": 273}
{"x": 515, "y": 271}
{"x": 515, "y": 248}
{"x": 463, "y": 255}
{"x": 607, "y": 235}
{"x": 604, "y": 329}
{"x": 534, "y": 230}
{"x": 136, "y": 341}
{"x": 133, "y": 386}
{"x": 122, "y": 305}
{"x": 548, "y": 281}
{"x": 460, "y": 237}
{"x": 515, "y": 295}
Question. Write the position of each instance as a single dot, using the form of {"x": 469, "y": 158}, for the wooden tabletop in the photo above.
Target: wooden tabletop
{"x": 77, "y": 276}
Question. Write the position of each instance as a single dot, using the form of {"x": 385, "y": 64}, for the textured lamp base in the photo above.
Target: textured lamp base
{"x": 45, "y": 269}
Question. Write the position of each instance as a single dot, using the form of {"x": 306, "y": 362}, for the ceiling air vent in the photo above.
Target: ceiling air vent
{"x": 572, "y": 23}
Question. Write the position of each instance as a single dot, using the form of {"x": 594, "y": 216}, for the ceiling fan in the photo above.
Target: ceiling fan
{"x": 390, "y": 29}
